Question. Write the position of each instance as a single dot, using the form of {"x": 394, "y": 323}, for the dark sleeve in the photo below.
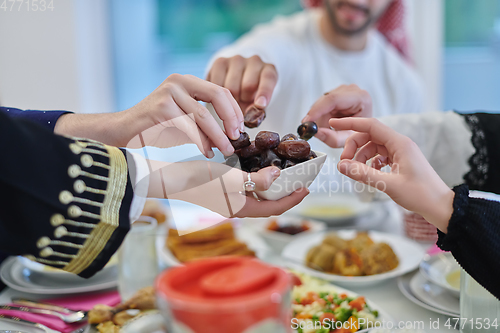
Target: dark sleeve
{"x": 46, "y": 119}
{"x": 484, "y": 174}
{"x": 474, "y": 238}
{"x": 65, "y": 201}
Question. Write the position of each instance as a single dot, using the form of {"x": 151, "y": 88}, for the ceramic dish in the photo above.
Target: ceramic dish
{"x": 443, "y": 270}
{"x": 20, "y": 278}
{"x": 293, "y": 178}
{"x": 433, "y": 294}
{"x": 408, "y": 252}
{"x": 278, "y": 240}
{"x": 404, "y": 287}
{"x": 338, "y": 209}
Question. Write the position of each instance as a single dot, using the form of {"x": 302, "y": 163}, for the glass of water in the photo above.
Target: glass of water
{"x": 138, "y": 263}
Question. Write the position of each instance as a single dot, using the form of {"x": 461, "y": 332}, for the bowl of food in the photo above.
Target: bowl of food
{"x": 278, "y": 232}
{"x": 298, "y": 163}
{"x": 442, "y": 269}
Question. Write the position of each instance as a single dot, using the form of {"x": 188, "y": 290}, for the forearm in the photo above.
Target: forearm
{"x": 473, "y": 238}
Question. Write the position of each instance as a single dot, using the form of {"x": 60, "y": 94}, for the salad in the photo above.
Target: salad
{"x": 318, "y": 308}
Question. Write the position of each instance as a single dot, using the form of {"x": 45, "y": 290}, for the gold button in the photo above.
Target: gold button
{"x": 86, "y": 160}
{"x": 47, "y": 252}
{"x": 74, "y": 171}
{"x": 65, "y": 197}
{"x": 74, "y": 211}
{"x": 60, "y": 232}
{"x": 56, "y": 220}
{"x": 81, "y": 144}
{"x": 76, "y": 149}
{"x": 43, "y": 242}
{"x": 79, "y": 186}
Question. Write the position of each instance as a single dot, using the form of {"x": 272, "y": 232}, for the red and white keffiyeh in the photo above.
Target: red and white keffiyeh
{"x": 391, "y": 24}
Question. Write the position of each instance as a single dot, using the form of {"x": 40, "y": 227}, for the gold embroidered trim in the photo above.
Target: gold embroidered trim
{"x": 79, "y": 224}
{"x": 96, "y": 191}
{"x": 109, "y": 213}
{"x": 51, "y": 262}
{"x": 67, "y": 244}
{"x": 95, "y": 151}
{"x": 91, "y": 175}
{"x": 101, "y": 165}
{"x": 87, "y": 202}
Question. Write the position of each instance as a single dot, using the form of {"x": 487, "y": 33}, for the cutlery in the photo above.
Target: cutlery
{"x": 67, "y": 318}
{"x": 14, "y": 319}
{"x": 36, "y": 304}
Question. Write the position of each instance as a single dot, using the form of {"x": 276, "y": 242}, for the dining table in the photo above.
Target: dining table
{"x": 385, "y": 294}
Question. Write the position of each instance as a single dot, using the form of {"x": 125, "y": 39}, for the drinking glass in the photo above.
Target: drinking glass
{"x": 138, "y": 263}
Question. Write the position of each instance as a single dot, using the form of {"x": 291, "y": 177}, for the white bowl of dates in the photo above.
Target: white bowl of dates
{"x": 298, "y": 163}
{"x": 278, "y": 232}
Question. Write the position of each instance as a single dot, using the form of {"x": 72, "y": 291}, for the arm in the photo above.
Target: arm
{"x": 47, "y": 119}
{"x": 468, "y": 227}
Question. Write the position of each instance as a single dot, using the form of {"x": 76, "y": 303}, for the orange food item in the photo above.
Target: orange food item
{"x": 327, "y": 315}
{"x": 358, "y": 303}
{"x": 304, "y": 316}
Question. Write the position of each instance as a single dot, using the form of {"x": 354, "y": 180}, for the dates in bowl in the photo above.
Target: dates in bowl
{"x": 300, "y": 165}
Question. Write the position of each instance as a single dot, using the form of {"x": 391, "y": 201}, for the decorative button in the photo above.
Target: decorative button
{"x": 47, "y": 252}
{"x": 79, "y": 186}
{"x": 74, "y": 171}
{"x": 60, "y": 232}
{"x": 81, "y": 144}
{"x": 74, "y": 211}
{"x": 86, "y": 160}
{"x": 76, "y": 149}
{"x": 43, "y": 242}
{"x": 57, "y": 220}
{"x": 65, "y": 197}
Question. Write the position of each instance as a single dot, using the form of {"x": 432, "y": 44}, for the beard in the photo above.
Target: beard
{"x": 347, "y": 31}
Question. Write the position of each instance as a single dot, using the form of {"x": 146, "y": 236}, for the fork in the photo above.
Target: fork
{"x": 67, "y": 318}
{"x": 14, "y": 319}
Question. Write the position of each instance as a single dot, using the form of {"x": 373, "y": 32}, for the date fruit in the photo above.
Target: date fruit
{"x": 288, "y": 163}
{"x": 254, "y": 116}
{"x": 270, "y": 158}
{"x": 307, "y": 130}
{"x": 294, "y": 150}
{"x": 267, "y": 140}
{"x": 242, "y": 142}
{"x": 249, "y": 151}
{"x": 289, "y": 137}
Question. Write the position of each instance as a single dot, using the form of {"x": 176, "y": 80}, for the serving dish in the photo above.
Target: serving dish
{"x": 443, "y": 270}
{"x": 408, "y": 252}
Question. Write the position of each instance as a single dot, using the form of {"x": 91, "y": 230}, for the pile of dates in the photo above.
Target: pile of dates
{"x": 269, "y": 150}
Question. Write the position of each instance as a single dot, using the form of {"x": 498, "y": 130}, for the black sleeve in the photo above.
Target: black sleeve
{"x": 474, "y": 238}
{"x": 484, "y": 174}
{"x": 47, "y": 119}
{"x": 65, "y": 201}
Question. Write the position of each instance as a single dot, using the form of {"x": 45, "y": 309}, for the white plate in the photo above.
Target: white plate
{"x": 337, "y": 209}
{"x": 278, "y": 240}
{"x": 20, "y": 278}
{"x": 404, "y": 287}
{"x": 433, "y": 294}
{"x": 437, "y": 267}
{"x": 408, "y": 252}
{"x": 244, "y": 234}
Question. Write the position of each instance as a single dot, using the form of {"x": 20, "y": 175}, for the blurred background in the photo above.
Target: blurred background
{"x": 106, "y": 55}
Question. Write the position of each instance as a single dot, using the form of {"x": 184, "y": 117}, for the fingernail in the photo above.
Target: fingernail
{"x": 210, "y": 154}
{"x": 242, "y": 127}
{"x": 261, "y": 101}
{"x": 229, "y": 150}
{"x": 236, "y": 134}
{"x": 276, "y": 172}
{"x": 306, "y": 118}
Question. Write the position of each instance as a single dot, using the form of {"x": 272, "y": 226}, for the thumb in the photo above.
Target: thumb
{"x": 367, "y": 175}
{"x": 334, "y": 139}
{"x": 264, "y": 177}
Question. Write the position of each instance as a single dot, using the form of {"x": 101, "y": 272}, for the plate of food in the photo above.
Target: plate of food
{"x": 221, "y": 239}
{"x": 279, "y": 231}
{"x": 443, "y": 270}
{"x": 354, "y": 258}
{"x": 333, "y": 210}
{"x": 317, "y": 303}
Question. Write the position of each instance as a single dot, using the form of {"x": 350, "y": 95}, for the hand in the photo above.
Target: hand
{"x": 250, "y": 80}
{"x": 218, "y": 187}
{"x": 344, "y": 101}
{"x": 412, "y": 183}
{"x": 169, "y": 116}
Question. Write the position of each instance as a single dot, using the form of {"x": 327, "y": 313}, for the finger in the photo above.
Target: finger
{"x": 222, "y": 101}
{"x": 267, "y": 83}
{"x": 217, "y": 73}
{"x": 264, "y": 177}
{"x": 379, "y": 162}
{"x": 265, "y": 208}
{"x": 370, "y": 150}
{"x": 334, "y": 139}
{"x": 378, "y": 132}
{"x": 205, "y": 122}
{"x": 251, "y": 77}
{"x": 364, "y": 174}
{"x": 234, "y": 75}
{"x": 353, "y": 143}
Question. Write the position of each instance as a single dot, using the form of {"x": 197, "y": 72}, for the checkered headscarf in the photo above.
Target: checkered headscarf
{"x": 390, "y": 24}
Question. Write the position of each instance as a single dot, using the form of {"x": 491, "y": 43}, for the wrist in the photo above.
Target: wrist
{"x": 442, "y": 210}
